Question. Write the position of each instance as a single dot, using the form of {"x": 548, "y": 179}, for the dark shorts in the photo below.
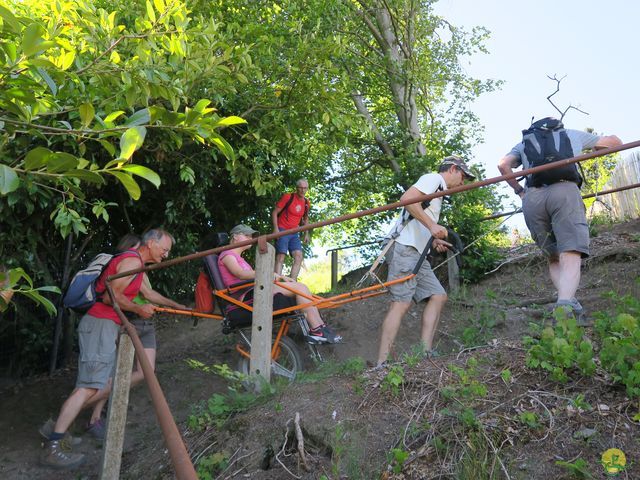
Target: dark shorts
{"x": 402, "y": 260}
{"x": 556, "y": 218}
{"x": 97, "y": 338}
{"x": 240, "y": 317}
{"x": 288, "y": 243}
{"x": 146, "y": 331}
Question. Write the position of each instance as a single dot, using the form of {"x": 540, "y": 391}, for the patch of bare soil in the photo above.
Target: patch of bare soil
{"x": 359, "y": 426}
{"x": 351, "y": 428}
{"x": 26, "y": 405}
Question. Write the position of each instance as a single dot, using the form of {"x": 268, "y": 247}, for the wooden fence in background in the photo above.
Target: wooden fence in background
{"x": 626, "y": 204}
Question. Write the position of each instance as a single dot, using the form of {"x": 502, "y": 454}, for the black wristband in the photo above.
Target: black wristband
{"x": 519, "y": 190}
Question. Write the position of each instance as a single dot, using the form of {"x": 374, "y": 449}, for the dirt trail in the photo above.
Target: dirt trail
{"x": 499, "y": 308}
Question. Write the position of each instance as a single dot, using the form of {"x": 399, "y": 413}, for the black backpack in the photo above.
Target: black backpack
{"x": 540, "y": 149}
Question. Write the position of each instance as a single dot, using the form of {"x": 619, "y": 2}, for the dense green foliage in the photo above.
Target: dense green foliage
{"x": 563, "y": 349}
{"x": 97, "y": 96}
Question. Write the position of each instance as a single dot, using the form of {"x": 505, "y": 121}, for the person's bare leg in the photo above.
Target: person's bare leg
{"x": 390, "y": 327}
{"x": 297, "y": 263}
{"x": 312, "y": 313}
{"x": 430, "y": 318}
{"x": 279, "y": 263}
{"x": 137, "y": 376}
{"x": 98, "y": 401}
{"x": 569, "y": 275}
{"x": 554, "y": 271}
{"x": 71, "y": 408}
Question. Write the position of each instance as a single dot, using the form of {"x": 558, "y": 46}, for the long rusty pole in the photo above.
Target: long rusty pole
{"x": 584, "y": 197}
{"x": 383, "y": 208}
{"x": 177, "y": 450}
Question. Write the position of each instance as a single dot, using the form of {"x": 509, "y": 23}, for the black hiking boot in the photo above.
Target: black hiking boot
{"x": 58, "y": 454}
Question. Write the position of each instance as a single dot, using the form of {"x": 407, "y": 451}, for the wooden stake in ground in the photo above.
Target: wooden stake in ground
{"x": 117, "y": 412}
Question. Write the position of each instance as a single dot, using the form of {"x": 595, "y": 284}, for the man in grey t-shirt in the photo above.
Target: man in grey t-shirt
{"x": 555, "y": 215}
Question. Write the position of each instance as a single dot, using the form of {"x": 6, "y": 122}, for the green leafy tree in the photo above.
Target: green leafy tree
{"x": 84, "y": 98}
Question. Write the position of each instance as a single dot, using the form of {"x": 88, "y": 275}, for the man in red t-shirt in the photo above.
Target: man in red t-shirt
{"x": 292, "y": 210}
{"x": 97, "y": 335}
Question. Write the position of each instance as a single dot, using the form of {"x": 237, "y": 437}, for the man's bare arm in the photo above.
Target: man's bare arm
{"x": 274, "y": 218}
{"x": 506, "y": 166}
{"x": 416, "y": 210}
{"x": 157, "y": 298}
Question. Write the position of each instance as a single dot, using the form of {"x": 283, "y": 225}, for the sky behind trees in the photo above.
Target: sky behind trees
{"x": 592, "y": 44}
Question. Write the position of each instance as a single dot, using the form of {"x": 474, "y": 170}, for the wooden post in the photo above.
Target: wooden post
{"x": 334, "y": 269}
{"x": 117, "y": 411}
{"x": 262, "y": 314}
{"x": 454, "y": 272}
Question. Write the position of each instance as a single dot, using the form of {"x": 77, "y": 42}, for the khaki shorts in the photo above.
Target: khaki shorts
{"x": 146, "y": 331}
{"x": 97, "y": 360}
{"x": 555, "y": 216}
{"x": 402, "y": 260}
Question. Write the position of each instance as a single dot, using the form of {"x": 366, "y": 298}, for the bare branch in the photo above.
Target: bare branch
{"x": 352, "y": 173}
{"x": 380, "y": 140}
{"x": 554, "y": 78}
{"x": 562, "y": 113}
{"x": 300, "y": 439}
{"x": 372, "y": 28}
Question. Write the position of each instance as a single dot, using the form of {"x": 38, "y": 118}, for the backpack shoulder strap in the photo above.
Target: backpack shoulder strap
{"x": 119, "y": 254}
{"x": 307, "y": 206}
{"x": 407, "y": 217}
{"x": 286, "y": 205}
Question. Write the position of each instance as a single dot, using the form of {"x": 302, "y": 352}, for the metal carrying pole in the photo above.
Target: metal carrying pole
{"x": 584, "y": 197}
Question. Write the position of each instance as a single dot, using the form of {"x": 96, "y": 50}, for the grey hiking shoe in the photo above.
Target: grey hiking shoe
{"x": 97, "y": 429}
{"x": 47, "y": 429}
{"x": 574, "y": 308}
{"x": 380, "y": 366}
{"x": 58, "y": 454}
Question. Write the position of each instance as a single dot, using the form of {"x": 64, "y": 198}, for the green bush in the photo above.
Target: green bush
{"x": 620, "y": 352}
{"x": 561, "y": 348}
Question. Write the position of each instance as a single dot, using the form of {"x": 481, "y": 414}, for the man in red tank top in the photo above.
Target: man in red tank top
{"x": 97, "y": 335}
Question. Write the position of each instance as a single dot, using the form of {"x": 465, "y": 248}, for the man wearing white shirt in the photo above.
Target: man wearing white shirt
{"x": 411, "y": 238}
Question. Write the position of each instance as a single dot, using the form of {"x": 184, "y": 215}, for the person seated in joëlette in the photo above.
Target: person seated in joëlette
{"x": 234, "y": 269}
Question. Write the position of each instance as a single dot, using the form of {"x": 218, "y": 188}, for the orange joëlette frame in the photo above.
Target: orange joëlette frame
{"x": 314, "y": 300}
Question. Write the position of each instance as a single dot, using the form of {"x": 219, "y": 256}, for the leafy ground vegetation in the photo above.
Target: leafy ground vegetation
{"x": 511, "y": 396}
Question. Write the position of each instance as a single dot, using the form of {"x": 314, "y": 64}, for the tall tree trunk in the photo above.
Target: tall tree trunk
{"x": 398, "y": 57}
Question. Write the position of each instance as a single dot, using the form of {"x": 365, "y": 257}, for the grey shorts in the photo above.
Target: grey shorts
{"x": 402, "y": 260}
{"x": 146, "y": 331}
{"x": 97, "y": 360}
{"x": 556, "y": 218}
